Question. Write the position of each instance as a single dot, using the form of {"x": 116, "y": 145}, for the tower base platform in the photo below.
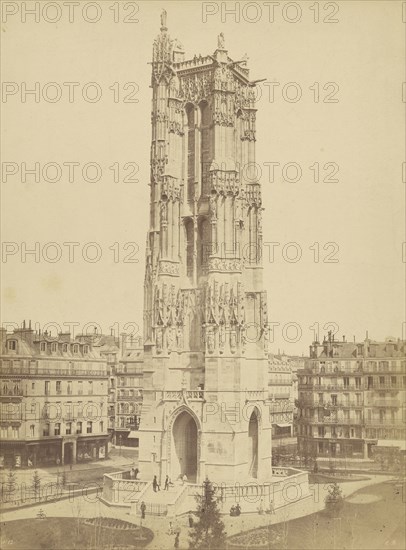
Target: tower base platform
{"x": 287, "y": 486}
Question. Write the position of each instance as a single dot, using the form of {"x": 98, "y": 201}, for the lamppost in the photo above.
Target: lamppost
{"x": 120, "y": 440}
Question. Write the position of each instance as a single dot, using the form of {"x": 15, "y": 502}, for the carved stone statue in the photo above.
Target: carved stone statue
{"x": 222, "y": 338}
{"x": 164, "y": 212}
{"x": 260, "y": 220}
{"x": 213, "y": 207}
{"x": 170, "y": 339}
{"x": 164, "y": 15}
{"x": 159, "y": 341}
{"x": 220, "y": 41}
{"x": 179, "y": 338}
{"x": 243, "y": 337}
{"x": 266, "y": 338}
{"x": 233, "y": 341}
{"x": 210, "y": 341}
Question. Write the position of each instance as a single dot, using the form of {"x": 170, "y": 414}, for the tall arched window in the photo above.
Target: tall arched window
{"x": 205, "y": 149}
{"x": 189, "y": 236}
{"x": 204, "y": 244}
{"x": 239, "y": 133}
{"x": 191, "y": 176}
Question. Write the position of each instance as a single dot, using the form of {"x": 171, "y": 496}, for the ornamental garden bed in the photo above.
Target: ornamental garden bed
{"x": 73, "y": 533}
{"x": 362, "y": 523}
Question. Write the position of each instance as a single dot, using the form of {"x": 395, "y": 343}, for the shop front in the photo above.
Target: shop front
{"x": 13, "y": 454}
{"x": 92, "y": 449}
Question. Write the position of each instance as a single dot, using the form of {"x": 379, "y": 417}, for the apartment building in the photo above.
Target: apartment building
{"x": 352, "y": 398}
{"x": 126, "y": 397}
{"x": 283, "y": 392}
{"x": 53, "y": 394}
{"x": 280, "y": 395}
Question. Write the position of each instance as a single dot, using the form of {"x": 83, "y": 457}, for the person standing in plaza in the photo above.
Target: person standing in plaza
{"x": 143, "y": 508}
{"x": 155, "y": 484}
{"x": 166, "y": 486}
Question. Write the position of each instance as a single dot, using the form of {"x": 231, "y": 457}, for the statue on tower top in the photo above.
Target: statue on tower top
{"x": 220, "y": 41}
{"x": 163, "y": 20}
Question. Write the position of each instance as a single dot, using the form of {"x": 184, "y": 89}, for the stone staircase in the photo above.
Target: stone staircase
{"x": 163, "y": 503}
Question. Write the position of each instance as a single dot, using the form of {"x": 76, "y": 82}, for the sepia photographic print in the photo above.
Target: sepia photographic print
{"x": 203, "y": 333}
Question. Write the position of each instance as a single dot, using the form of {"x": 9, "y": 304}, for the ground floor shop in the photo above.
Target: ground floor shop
{"x": 334, "y": 448}
{"x": 53, "y": 452}
{"x": 125, "y": 438}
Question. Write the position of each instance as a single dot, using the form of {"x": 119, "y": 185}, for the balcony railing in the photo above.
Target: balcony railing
{"x": 384, "y": 403}
{"x": 384, "y": 423}
{"x": 11, "y": 393}
{"x": 127, "y": 396}
{"x": 40, "y": 371}
{"x": 332, "y": 387}
{"x": 339, "y": 421}
{"x": 175, "y": 395}
{"x": 386, "y": 387}
{"x": 339, "y": 404}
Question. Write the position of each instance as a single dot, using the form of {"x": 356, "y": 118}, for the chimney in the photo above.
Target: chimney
{"x": 3, "y": 340}
{"x": 123, "y": 343}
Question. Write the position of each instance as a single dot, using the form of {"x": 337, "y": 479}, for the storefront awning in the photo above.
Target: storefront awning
{"x": 285, "y": 425}
{"x": 133, "y": 435}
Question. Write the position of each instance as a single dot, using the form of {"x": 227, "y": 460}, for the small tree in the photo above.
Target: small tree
{"x": 11, "y": 481}
{"x": 41, "y": 514}
{"x": 334, "y": 499}
{"x": 36, "y": 484}
{"x": 208, "y": 532}
{"x": 11, "y": 484}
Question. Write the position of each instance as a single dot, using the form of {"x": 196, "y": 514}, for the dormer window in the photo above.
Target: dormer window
{"x": 65, "y": 348}
{"x": 12, "y": 345}
{"x": 53, "y": 346}
{"x": 86, "y": 349}
{"x": 43, "y": 346}
{"x": 76, "y": 348}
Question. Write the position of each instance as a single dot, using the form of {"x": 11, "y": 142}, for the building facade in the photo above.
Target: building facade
{"x": 351, "y": 398}
{"x": 128, "y": 393}
{"x": 281, "y": 395}
{"x": 206, "y": 329}
{"x": 53, "y": 394}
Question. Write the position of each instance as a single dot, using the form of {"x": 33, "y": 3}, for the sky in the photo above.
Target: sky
{"x": 331, "y": 100}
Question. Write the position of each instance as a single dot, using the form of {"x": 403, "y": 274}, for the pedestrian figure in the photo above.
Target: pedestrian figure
{"x": 155, "y": 484}
{"x": 166, "y": 487}
{"x": 271, "y": 507}
{"x": 136, "y": 472}
{"x": 143, "y": 508}
{"x": 191, "y": 521}
{"x": 238, "y": 510}
{"x": 170, "y": 529}
{"x": 184, "y": 478}
{"x": 176, "y": 545}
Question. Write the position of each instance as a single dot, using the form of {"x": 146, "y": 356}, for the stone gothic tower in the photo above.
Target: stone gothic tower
{"x": 205, "y": 310}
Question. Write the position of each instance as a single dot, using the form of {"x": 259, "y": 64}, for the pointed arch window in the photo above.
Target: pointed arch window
{"x": 189, "y": 234}
{"x": 191, "y": 144}
{"x": 205, "y": 148}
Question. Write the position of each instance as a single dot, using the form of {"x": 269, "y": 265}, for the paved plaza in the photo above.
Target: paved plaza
{"x": 90, "y": 506}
